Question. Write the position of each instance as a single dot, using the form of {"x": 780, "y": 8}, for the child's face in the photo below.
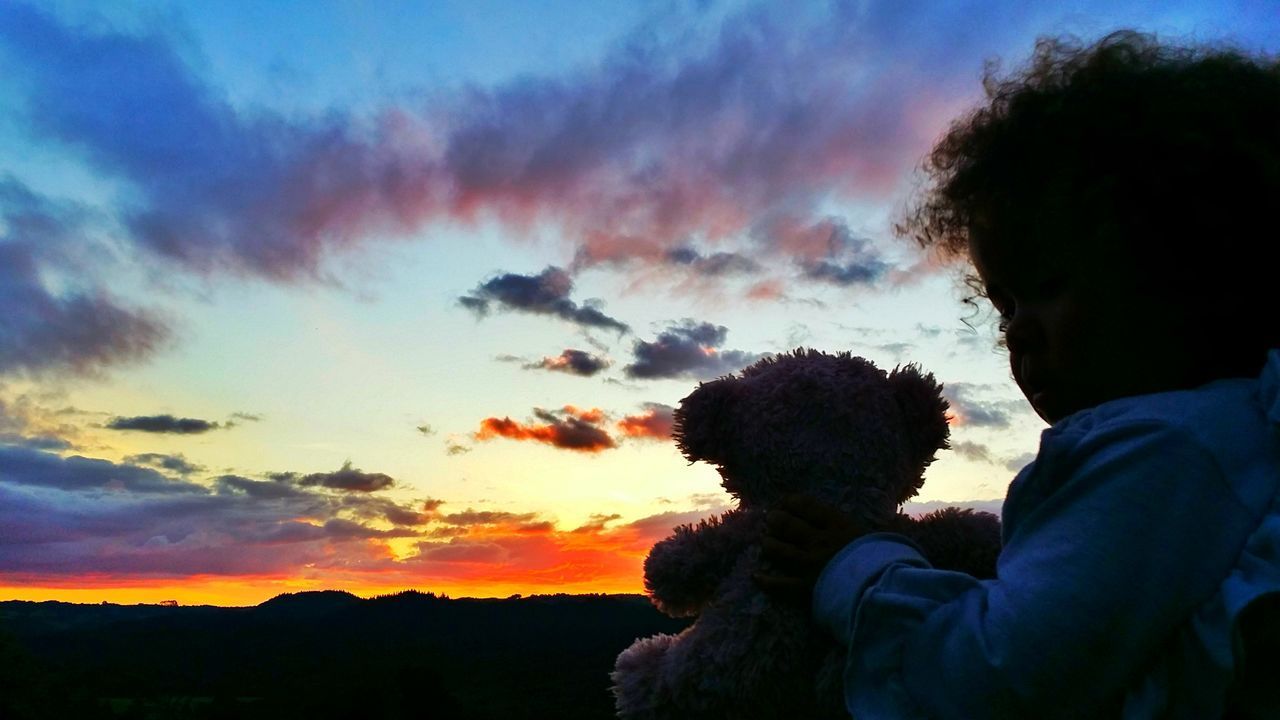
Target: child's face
{"x": 1082, "y": 324}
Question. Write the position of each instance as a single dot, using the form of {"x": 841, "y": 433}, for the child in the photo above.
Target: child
{"x": 1117, "y": 203}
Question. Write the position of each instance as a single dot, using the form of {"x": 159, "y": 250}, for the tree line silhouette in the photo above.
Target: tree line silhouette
{"x": 321, "y": 655}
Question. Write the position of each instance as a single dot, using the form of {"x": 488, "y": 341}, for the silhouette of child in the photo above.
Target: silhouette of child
{"x": 1117, "y": 202}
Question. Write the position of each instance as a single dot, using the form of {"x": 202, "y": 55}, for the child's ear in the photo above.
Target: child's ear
{"x": 702, "y": 421}
{"x": 923, "y": 409}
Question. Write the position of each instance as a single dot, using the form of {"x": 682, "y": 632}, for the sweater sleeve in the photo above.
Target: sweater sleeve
{"x": 1137, "y": 527}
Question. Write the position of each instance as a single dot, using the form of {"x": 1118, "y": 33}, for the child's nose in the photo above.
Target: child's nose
{"x": 1024, "y": 332}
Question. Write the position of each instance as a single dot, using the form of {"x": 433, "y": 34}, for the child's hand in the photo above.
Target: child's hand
{"x": 801, "y": 535}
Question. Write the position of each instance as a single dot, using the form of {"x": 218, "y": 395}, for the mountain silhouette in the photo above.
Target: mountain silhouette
{"x": 320, "y": 655}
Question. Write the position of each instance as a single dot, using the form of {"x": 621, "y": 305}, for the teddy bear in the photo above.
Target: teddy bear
{"x": 834, "y": 427}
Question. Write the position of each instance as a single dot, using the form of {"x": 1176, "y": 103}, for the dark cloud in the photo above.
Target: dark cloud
{"x": 690, "y": 349}
{"x": 717, "y": 264}
{"x": 29, "y": 466}
{"x": 686, "y": 258}
{"x": 546, "y": 293}
{"x": 487, "y": 517}
{"x": 80, "y": 329}
{"x": 573, "y": 362}
{"x": 37, "y": 442}
{"x": 972, "y": 451}
{"x": 453, "y": 447}
{"x": 162, "y": 424}
{"x": 64, "y": 519}
{"x": 827, "y": 251}
{"x": 597, "y": 522}
{"x": 240, "y": 417}
{"x": 174, "y": 463}
{"x": 426, "y": 429}
{"x": 858, "y": 272}
{"x": 72, "y": 516}
{"x": 427, "y": 511}
{"x": 654, "y": 423}
{"x": 567, "y": 429}
{"x": 345, "y": 478}
{"x": 278, "y": 488}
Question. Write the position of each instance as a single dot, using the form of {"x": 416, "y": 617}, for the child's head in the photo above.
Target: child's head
{"x": 1117, "y": 202}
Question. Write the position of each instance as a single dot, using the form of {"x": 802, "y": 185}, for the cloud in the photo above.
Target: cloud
{"x": 630, "y": 251}
{"x": 573, "y": 362}
{"x": 689, "y": 349}
{"x": 35, "y": 442}
{"x": 669, "y": 136}
{"x": 453, "y": 447}
{"x": 399, "y": 515}
{"x": 972, "y": 451}
{"x": 426, "y": 429}
{"x": 71, "y": 326}
{"x": 683, "y": 132}
{"x": 487, "y": 517}
{"x": 826, "y": 250}
{"x": 85, "y": 518}
{"x": 1016, "y": 463}
{"x": 346, "y": 478}
{"x": 568, "y": 429}
{"x": 241, "y": 417}
{"x": 597, "y": 522}
{"x": 717, "y": 264}
{"x": 456, "y": 551}
{"x": 654, "y": 423}
{"x": 162, "y": 424}
{"x": 88, "y": 522}
{"x": 546, "y": 293}
{"x": 968, "y": 411}
{"x": 273, "y": 490}
{"x": 32, "y": 467}
{"x": 174, "y": 463}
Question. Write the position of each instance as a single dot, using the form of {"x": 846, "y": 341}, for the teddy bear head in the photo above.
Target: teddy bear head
{"x": 832, "y": 426}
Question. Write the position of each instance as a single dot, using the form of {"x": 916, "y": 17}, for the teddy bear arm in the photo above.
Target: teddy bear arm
{"x": 957, "y": 539}
{"x": 683, "y": 571}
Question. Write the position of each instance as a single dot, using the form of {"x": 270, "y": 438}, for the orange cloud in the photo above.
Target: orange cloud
{"x": 655, "y": 423}
{"x": 568, "y": 429}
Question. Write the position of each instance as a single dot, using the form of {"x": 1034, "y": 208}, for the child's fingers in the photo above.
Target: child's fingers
{"x": 785, "y": 526}
{"x": 786, "y": 555}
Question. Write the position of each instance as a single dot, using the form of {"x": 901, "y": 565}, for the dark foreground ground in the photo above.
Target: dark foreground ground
{"x": 321, "y": 655}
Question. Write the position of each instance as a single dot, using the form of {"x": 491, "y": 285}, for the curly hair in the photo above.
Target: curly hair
{"x": 1173, "y": 150}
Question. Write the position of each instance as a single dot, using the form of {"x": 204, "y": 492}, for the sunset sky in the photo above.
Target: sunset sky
{"x": 386, "y": 295}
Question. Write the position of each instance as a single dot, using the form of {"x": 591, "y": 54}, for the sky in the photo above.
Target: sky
{"x": 385, "y": 295}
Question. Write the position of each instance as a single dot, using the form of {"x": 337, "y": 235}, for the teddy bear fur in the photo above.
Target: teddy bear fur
{"x": 837, "y": 428}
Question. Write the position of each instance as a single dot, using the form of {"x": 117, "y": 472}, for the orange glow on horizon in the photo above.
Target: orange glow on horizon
{"x": 491, "y": 559}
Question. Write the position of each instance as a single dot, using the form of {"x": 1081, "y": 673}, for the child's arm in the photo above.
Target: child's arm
{"x": 1137, "y": 526}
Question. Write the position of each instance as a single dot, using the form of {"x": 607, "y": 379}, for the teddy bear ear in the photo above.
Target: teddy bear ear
{"x": 924, "y": 410}
{"x": 702, "y": 427}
